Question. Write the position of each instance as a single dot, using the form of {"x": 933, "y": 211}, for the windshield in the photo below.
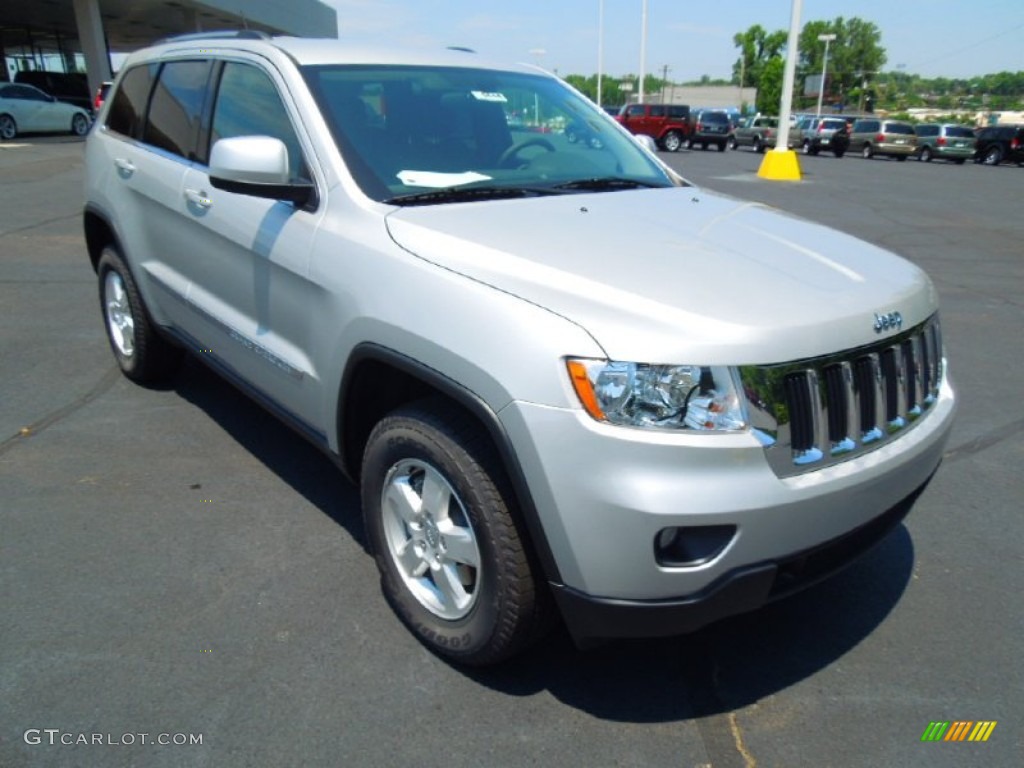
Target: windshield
{"x": 408, "y": 133}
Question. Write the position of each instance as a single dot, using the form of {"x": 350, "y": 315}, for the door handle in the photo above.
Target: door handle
{"x": 125, "y": 168}
{"x": 198, "y": 199}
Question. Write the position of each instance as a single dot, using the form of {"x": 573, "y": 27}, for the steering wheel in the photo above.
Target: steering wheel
{"x": 510, "y": 157}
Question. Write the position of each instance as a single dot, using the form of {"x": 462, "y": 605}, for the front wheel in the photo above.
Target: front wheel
{"x": 441, "y": 522}
{"x": 142, "y": 354}
{"x": 733, "y": 144}
{"x": 994, "y": 156}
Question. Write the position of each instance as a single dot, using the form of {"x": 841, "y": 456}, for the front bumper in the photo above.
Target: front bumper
{"x": 604, "y": 494}
{"x": 744, "y": 589}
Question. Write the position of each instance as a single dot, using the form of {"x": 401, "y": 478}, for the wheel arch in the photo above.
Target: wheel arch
{"x": 377, "y": 380}
{"x": 99, "y": 232}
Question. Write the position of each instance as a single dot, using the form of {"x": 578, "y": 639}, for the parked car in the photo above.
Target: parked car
{"x": 824, "y": 133}
{"x": 887, "y": 138}
{"x": 69, "y": 87}
{"x": 944, "y": 141}
{"x": 101, "y": 95}
{"x": 1000, "y": 144}
{"x": 26, "y": 109}
{"x": 759, "y": 132}
{"x": 667, "y": 124}
{"x": 543, "y": 407}
{"x": 710, "y": 126}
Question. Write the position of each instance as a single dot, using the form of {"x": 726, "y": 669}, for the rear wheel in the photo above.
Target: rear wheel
{"x": 441, "y": 522}
{"x": 926, "y": 155}
{"x": 758, "y": 146}
{"x": 142, "y": 354}
{"x": 8, "y": 128}
{"x": 721, "y": 146}
{"x": 994, "y": 156}
{"x": 733, "y": 144}
{"x": 673, "y": 141}
{"x": 901, "y": 158}
{"x": 867, "y": 152}
{"x": 79, "y": 124}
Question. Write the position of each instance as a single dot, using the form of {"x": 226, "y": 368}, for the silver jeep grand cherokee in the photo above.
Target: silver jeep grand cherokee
{"x": 563, "y": 377}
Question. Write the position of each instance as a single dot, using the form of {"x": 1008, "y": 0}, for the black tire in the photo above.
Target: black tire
{"x": 79, "y": 124}
{"x": 8, "y": 128}
{"x": 704, "y": 145}
{"x": 839, "y": 152}
{"x": 926, "y": 155}
{"x": 901, "y": 158}
{"x": 806, "y": 147}
{"x": 673, "y": 141}
{"x": 758, "y": 146}
{"x": 868, "y": 152}
{"x": 721, "y": 146}
{"x": 814, "y": 150}
{"x": 960, "y": 161}
{"x": 733, "y": 144}
{"x": 142, "y": 354}
{"x": 993, "y": 156}
{"x": 495, "y": 608}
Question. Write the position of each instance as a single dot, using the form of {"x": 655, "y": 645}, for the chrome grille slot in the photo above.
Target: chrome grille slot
{"x": 814, "y": 413}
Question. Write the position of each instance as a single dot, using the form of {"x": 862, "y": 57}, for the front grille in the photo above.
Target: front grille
{"x": 815, "y": 413}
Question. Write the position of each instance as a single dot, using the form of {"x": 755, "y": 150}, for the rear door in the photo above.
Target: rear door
{"x": 149, "y": 143}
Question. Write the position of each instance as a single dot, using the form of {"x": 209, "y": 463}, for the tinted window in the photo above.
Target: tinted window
{"x": 248, "y": 104}
{"x": 128, "y": 107}
{"x": 927, "y": 130}
{"x": 714, "y": 117}
{"x": 636, "y": 110}
{"x": 657, "y": 111}
{"x": 23, "y": 92}
{"x": 900, "y": 128}
{"x": 679, "y": 111}
{"x": 176, "y": 109}
{"x": 960, "y": 132}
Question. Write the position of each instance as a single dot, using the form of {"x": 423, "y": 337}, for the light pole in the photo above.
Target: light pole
{"x": 643, "y": 49}
{"x": 824, "y": 68}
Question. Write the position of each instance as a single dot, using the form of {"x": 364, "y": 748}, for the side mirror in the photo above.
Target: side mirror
{"x": 256, "y": 166}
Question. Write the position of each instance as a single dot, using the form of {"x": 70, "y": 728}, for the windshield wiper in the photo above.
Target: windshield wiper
{"x": 463, "y": 194}
{"x": 607, "y": 184}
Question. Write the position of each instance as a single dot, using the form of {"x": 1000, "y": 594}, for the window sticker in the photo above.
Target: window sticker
{"x": 438, "y": 179}
{"x": 489, "y": 96}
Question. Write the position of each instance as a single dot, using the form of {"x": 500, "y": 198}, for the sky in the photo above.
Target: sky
{"x": 939, "y": 38}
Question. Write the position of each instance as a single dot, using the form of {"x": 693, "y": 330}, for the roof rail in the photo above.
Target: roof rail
{"x": 223, "y": 34}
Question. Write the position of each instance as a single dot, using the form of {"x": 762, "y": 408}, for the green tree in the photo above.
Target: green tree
{"x": 855, "y": 57}
{"x": 757, "y": 47}
{"x": 769, "y": 86}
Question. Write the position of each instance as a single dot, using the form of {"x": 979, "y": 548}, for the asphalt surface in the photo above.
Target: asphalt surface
{"x": 177, "y": 564}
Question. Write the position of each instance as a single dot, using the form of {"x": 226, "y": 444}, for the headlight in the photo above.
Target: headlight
{"x": 660, "y": 396}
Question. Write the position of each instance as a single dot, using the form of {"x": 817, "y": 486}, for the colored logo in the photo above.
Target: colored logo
{"x": 959, "y": 730}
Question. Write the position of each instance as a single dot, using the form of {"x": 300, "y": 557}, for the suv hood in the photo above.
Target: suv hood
{"x": 675, "y": 275}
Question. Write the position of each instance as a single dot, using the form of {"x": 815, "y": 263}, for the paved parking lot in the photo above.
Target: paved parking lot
{"x": 176, "y": 566}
